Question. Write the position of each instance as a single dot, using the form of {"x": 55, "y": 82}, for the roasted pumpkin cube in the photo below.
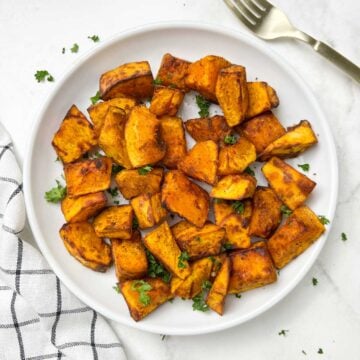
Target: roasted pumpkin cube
{"x": 262, "y": 97}
{"x": 132, "y": 79}
{"x": 234, "y": 187}
{"x": 192, "y": 285}
{"x": 75, "y": 136}
{"x": 185, "y": 198}
{"x": 266, "y": 215}
{"x": 88, "y": 176}
{"x": 115, "y": 222}
{"x": 234, "y": 159}
{"x": 201, "y": 162}
{"x": 148, "y": 210}
{"x": 292, "y": 187}
{"x": 142, "y": 134}
{"x": 217, "y": 294}
{"x": 173, "y": 135}
{"x": 172, "y": 71}
{"x": 232, "y": 94}
{"x": 141, "y": 306}
{"x": 262, "y": 130}
{"x": 112, "y": 137}
{"x": 129, "y": 257}
{"x": 85, "y": 246}
{"x": 212, "y": 128}
{"x": 299, "y": 231}
{"x": 166, "y": 100}
{"x": 198, "y": 242}
{"x": 234, "y": 217}
{"x": 131, "y": 183}
{"x": 297, "y": 139}
{"x": 251, "y": 268}
{"x": 97, "y": 112}
{"x": 161, "y": 243}
{"x": 202, "y": 75}
{"x": 81, "y": 208}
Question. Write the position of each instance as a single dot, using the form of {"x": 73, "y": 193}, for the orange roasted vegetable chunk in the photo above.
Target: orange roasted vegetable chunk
{"x": 292, "y": 187}
{"x": 185, "y": 198}
{"x": 88, "y": 176}
{"x": 115, "y": 222}
{"x": 299, "y": 231}
{"x": 172, "y": 71}
{"x": 158, "y": 294}
{"x": 202, "y": 75}
{"x": 81, "y": 208}
{"x": 173, "y": 135}
{"x": 132, "y": 79}
{"x": 129, "y": 257}
{"x": 166, "y": 101}
{"x": 251, "y": 268}
{"x": 217, "y": 294}
{"x": 161, "y": 243}
{"x": 131, "y": 183}
{"x": 232, "y": 94}
{"x": 75, "y": 136}
{"x": 201, "y": 162}
{"x": 85, "y": 246}
{"x": 142, "y": 135}
{"x": 266, "y": 215}
{"x": 112, "y": 136}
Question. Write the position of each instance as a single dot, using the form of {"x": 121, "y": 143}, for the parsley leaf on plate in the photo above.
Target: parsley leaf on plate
{"x": 203, "y": 105}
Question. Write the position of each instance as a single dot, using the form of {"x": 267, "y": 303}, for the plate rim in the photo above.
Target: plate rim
{"x": 69, "y": 70}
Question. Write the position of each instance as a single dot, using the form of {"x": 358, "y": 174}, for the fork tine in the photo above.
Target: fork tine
{"x": 265, "y": 4}
{"x": 239, "y": 14}
{"x": 254, "y": 7}
{"x": 245, "y": 11}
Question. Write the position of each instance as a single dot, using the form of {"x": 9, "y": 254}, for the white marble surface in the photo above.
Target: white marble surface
{"x": 33, "y": 32}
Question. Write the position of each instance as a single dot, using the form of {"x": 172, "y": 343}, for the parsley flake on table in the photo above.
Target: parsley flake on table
{"x": 323, "y": 220}
{"x": 320, "y": 351}
{"x": 203, "y": 105}
{"x": 230, "y": 139}
{"x": 42, "y": 75}
{"x": 343, "y": 236}
{"x": 238, "y": 206}
{"x": 56, "y": 194}
{"x": 145, "y": 170}
{"x": 113, "y": 191}
{"x": 314, "y": 281}
{"x": 285, "y": 210}
{"x": 94, "y": 38}
{"x": 63, "y": 50}
{"x": 96, "y": 98}
{"x": 155, "y": 268}
{"x": 283, "y": 332}
{"x": 142, "y": 287}
{"x": 303, "y": 351}
{"x": 184, "y": 256}
{"x": 157, "y": 81}
{"x": 250, "y": 171}
{"x": 304, "y": 167}
{"x": 74, "y": 48}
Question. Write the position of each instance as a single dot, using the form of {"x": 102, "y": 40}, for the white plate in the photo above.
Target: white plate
{"x": 189, "y": 41}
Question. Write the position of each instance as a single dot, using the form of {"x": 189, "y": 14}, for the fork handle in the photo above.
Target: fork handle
{"x": 339, "y": 60}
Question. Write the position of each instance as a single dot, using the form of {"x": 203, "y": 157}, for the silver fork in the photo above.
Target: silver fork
{"x": 269, "y": 22}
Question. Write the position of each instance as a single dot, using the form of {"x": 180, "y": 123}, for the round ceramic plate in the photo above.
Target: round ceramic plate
{"x": 188, "y": 41}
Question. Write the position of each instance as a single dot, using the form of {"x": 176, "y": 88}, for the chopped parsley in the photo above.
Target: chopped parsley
{"x": 230, "y": 139}
{"x": 157, "y": 81}
{"x": 135, "y": 223}
{"x": 226, "y": 246}
{"x": 113, "y": 191}
{"x": 56, "y": 194}
{"x": 343, "y": 237}
{"x": 216, "y": 263}
{"x": 115, "y": 169}
{"x": 250, "y": 171}
{"x": 238, "y": 206}
{"x": 57, "y": 159}
{"x": 63, "y": 50}
{"x": 116, "y": 288}
{"x": 303, "y": 351}
{"x": 156, "y": 269}
{"x": 145, "y": 170}
{"x": 142, "y": 287}
{"x": 163, "y": 337}
{"x": 184, "y": 256}
{"x": 199, "y": 303}
{"x": 203, "y": 105}
{"x": 116, "y": 202}
{"x": 74, "y": 48}
{"x": 42, "y": 75}
{"x": 94, "y": 38}
{"x": 304, "y": 167}
{"x": 285, "y": 210}
{"x": 96, "y": 98}
{"x": 320, "y": 351}
{"x": 314, "y": 281}
{"x": 238, "y": 296}
{"x": 323, "y": 220}
{"x": 283, "y": 332}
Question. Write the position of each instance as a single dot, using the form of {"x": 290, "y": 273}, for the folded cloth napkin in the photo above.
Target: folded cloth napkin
{"x": 39, "y": 317}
